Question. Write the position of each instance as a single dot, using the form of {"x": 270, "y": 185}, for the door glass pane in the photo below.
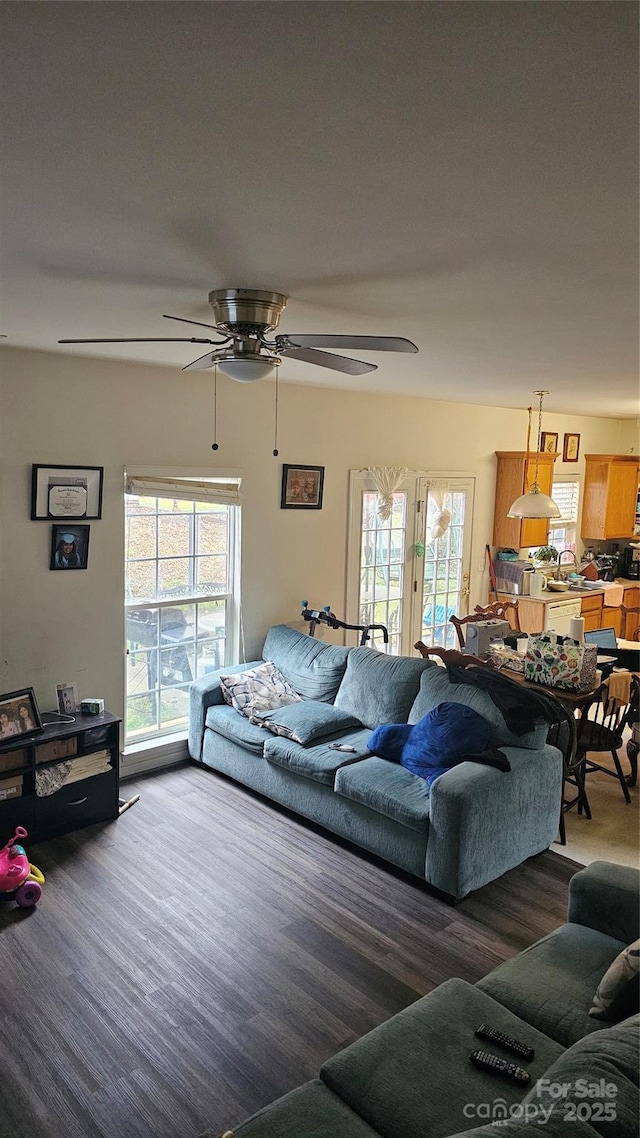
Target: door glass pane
{"x": 382, "y": 557}
{"x": 443, "y": 579}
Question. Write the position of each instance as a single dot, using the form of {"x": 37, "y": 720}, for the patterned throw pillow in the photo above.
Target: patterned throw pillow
{"x": 617, "y": 993}
{"x": 257, "y": 691}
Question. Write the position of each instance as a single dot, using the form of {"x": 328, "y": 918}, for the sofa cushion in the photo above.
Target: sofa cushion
{"x": 388, "y": 789}
{"x": 257, "y": 690}
{"x": 606, "y": 1063}
{"x": 616, "y": 996}
{"x": 311, "y": 1111}
{"x": 411, "y": 1077}
{"x": 309, "y": 721}
{"x": 379, "y": 688}
{"x": 313, "y": 668}
{"x": 436, "y": 687}
{"x": 228, "y": 722}
{"x": 551, "y": 984}
{"x": 319, "y": 763}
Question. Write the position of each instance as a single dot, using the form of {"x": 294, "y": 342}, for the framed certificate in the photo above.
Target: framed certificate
{"x": 68, "y": 492}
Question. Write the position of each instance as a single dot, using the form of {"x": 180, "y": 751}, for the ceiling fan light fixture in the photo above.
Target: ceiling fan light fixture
{"x": 246, "y": 369}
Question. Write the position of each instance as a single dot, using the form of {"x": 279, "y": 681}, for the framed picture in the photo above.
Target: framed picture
{"x": 571, "y": 448}
{"x": 302, "y": 487}
{"x": 548, "y": 442}
{"x": 19, "y": 715}
{"x": 71, "y": 492}
{"x": 69, "y": 547}
{"x": 67, "y": 698}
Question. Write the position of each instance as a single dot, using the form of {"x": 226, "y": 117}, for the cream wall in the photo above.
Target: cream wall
{"x": 67, "y": 627}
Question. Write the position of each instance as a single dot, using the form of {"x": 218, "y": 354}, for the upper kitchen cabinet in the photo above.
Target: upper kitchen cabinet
{"x": 610, "y": 495}
{"x": 518, "y": 533}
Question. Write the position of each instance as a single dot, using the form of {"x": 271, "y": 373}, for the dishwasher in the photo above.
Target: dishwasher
{"x": 559, "y": 614}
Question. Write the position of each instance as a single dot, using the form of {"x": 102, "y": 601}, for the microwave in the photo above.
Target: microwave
{"x": 630, "y": 563}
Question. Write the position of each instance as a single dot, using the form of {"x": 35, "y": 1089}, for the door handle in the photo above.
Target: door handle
{"x": 78, "y": 801}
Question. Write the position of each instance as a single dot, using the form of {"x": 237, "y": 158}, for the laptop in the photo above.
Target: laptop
{"x": 603, "y": 637}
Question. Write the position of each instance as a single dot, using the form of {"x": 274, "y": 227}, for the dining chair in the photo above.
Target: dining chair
{"x": 624, "y": 634}
{"x": 600, "y": 730}
{"x": 451, "y": 655}
{"x": 498, "y": 610}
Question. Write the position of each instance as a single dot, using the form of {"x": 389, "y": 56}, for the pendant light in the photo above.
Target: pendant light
{"x": 535, "y": 504}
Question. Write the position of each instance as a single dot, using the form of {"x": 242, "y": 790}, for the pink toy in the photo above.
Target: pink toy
{"x": 19, "y": 879}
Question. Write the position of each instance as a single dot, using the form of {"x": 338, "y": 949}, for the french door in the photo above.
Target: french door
{"x": 410, "y": 572}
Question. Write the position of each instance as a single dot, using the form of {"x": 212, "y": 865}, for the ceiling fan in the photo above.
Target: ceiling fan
{"x": 244, "y": 317}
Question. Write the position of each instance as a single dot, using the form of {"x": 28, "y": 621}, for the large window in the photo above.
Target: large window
{"x": 180, "y": 568}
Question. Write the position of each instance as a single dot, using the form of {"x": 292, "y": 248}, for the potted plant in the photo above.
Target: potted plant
{"x": 546, "y": 555}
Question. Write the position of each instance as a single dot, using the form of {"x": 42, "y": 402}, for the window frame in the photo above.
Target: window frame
{"x": 230, "y": 597}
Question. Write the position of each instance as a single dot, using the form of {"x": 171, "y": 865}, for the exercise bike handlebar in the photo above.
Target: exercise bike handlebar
{"x": 326, "y": 616}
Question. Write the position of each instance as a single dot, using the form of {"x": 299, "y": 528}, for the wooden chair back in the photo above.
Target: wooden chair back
{"x": 451, "y": 656}
{"x": 499, "y": 610}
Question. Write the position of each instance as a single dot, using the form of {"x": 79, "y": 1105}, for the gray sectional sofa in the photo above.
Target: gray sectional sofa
{"x": 476, "y": 823}
{"x": 412, "y": 1077}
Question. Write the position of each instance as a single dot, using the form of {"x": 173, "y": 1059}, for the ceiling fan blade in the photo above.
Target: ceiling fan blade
{"x": 203, "y": 362}
{"x": 327, "y": 359}
{"x": 359, "y": 343}
{"x": 144, "y": 340}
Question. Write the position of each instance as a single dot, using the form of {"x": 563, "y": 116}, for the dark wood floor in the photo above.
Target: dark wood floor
{"x": 206, "y": 952}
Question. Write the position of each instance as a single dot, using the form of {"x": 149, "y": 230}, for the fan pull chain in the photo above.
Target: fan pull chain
{"x": 214, "y": 445}
{"x": 275, "y": 433}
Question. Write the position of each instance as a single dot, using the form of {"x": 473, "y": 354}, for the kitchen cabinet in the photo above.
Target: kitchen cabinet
{"x": 514, "y": 476}
{"x": 80, "y": 760}
{"x": 610, "y": 496}
{"x": 591, "y": 611}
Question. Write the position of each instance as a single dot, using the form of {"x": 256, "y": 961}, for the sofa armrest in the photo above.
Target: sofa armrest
{"x": 483, "y": 822}
{"x": 606, "y": 897}
{"x": 203, "y": 694}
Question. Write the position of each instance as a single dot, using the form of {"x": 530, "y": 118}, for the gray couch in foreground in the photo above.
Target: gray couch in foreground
{"x": 476, "y": 823}
{"x": 412, "y": 1077}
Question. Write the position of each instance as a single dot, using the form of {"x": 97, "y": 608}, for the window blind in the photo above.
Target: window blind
{"x": 219, "y": 491}
{"x": 565, "y": 495}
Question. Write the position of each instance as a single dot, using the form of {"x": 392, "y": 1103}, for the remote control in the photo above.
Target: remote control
{"x": 522, "y": 1050}
{"x": 489, "y": 1062}
{"x": 341, "y": 747}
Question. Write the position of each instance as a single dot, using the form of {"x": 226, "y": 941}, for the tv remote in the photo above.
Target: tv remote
{"x": 498, "y": 1066}
{"x": 522, "y": 1050}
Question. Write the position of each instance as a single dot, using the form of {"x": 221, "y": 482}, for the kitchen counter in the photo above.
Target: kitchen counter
{"x": 533, "y": 612}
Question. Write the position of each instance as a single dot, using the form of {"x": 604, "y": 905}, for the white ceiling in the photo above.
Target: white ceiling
{"x": 464, "y": 174}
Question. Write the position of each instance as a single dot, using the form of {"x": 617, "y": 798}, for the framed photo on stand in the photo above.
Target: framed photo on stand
{"x": 71, "y": 492}
{"x": 67, "y": 698}
{"x": 19, "y": 715}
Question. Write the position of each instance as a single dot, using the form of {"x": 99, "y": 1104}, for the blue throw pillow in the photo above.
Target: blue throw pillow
{"x": 437, "y": 742}
{"x": 387, "y": 741}
{"x": 443, "y": 737}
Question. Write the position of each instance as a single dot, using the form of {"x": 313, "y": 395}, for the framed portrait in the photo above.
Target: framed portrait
{"x": 69, "y": 547}
{"x": 571, "y": 448}
{"x": 19, "y": 715}
{"x": 548, "y": 442}
{"x": 67, "y": 698}
{"x": 302, "y": 487}
{"x": 71, "y": 492}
